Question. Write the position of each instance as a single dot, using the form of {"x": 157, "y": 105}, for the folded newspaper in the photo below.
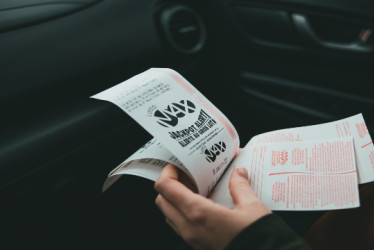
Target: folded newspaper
{"x": 315, "y": 167}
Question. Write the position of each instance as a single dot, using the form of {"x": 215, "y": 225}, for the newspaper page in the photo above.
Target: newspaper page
{"x": 310, "y": 175}
{"x": 187, "y": 124}
{"x": 147, "y": 162}
{"x": 353, "y": 126}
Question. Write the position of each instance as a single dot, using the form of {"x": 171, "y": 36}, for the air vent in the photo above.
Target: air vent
{"x": 184, "y": 29}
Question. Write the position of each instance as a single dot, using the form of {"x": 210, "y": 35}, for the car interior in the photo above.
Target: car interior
{"x": 267, "y": 65}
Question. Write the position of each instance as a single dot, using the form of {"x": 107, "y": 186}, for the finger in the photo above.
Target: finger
{"x": 173, "y": 216}
{"x": 174, "y": 191}
{"x": 240, "y": 189}
{"x": 172, "y": 172}
{"x": 169, "y": 171}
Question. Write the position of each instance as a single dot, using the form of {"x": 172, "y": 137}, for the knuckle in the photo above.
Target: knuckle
{"x": 158, "y": 185}
{"x": 197, "y": 215}
{"x": 241, "y": 183}
{"x": 158, "y": 200}
{"x": 240, "y": 186}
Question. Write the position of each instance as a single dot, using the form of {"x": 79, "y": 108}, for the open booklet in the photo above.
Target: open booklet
{"x": 315, "y": 167}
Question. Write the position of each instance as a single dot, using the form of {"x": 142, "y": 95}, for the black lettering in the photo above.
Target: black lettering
{"x": 169, "y": 116}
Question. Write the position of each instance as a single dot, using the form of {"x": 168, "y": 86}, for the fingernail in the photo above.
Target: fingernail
{"x": 243, "y": 172}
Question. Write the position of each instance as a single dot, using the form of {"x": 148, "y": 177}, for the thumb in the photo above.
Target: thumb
{"x": 240, "y": 189}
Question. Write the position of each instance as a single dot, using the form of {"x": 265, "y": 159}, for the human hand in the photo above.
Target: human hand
{"x": 202, "y": 223}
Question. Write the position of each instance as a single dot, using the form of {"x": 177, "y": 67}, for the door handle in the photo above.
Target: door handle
{"x": 304, "y": 27}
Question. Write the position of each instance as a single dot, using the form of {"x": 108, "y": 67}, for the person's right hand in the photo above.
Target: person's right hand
{"x": 202, "y": 223}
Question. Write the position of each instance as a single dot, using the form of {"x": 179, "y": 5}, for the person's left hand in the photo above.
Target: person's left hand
{"x": 202, "y": 223}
